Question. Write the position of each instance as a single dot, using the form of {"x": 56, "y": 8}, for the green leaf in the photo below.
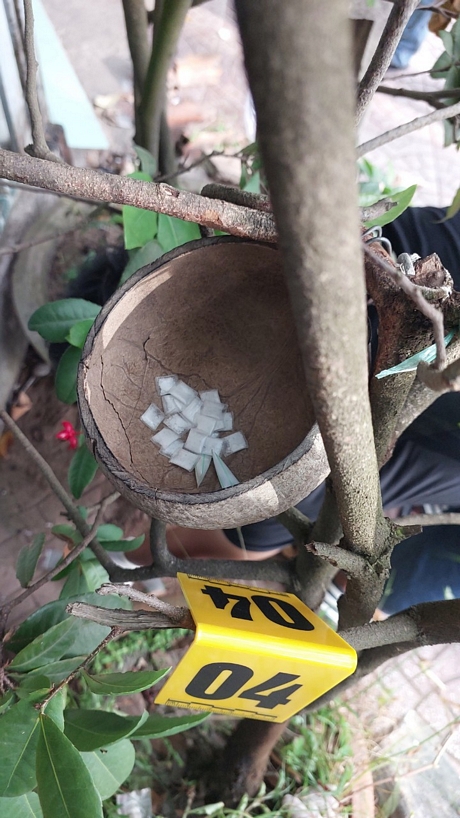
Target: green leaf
{"x": 57, "y": 671}
{"x": 108, "y": 532}
{"x": 252, "y": 185}
{"x": 87, "y": 634}
{"x": 53, "y": 321}
{"x": 110, "y": 768}
{"x": 147, "y": 161}
{"x": 161, "y": 726}
{"x": 82, "y": 470}
{"x": 120, "y": 684}
{"x": 454, "y": 207}
{"x": 55, "y": 707}
{"x": 455, "y": 33}
{"x": 124, "y": 545}
{"x": 65, "y": 380}
{"x": 6, "y": 701}
{"x": 78, "y": 332}
{"x": 402, "y": 201}
{"x": 427, "y": 355}
{"x": 441, "y": 66}
{"x": 452, "y": 81}
{"x": 150, "y": 252}
{"x": 447, "y": 41}
{"x": 33, "y": 688}
{"x": 27, "y": 560}
{"x": 18, "y": 740}
{"x": 65, "y": 787}
{"x": 24, "y": 806}
{"x": 90, "y": 730}
{"x": 68, "y": 532}
{"x": 86, "y": 576}
{"x": 174, "y": 232}
{"x": 47, "y": 647}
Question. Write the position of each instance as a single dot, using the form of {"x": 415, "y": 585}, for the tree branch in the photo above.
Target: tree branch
{"x": 114, "y": 633}
{"x": 163, "y": 615}
{"x": 164, "y": 564}
{"x": 417, "y": 294}
{"x": 297, "y": 524}
{"x": 340, "y": 558}
{"x": 166, "y": 34}
{"x": 381, "y": 60}
{"x": 105, "y": 187}
{"x": 423, "y": 96}
{"x": 408, "y": 127}
{"x": 430, "y": 623}
{"x": 420, "y": 397}
{"x": 376, "y": 209}
{"x": 324, "y": 275}
{"x": 255, "y": 201}
{"x": 135, "y": 14}
{"x": 39, "y": 146}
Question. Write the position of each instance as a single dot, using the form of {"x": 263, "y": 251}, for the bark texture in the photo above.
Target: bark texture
{"x": 295, "y": 55}
{"x": 95, "y": 186}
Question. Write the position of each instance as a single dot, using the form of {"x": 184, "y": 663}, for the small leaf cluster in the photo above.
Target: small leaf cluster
{"x": 58, "y": 759}
{"x": 447, "y": 68}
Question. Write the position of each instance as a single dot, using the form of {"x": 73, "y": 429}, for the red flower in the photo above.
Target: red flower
{"x": 68, "y": 433}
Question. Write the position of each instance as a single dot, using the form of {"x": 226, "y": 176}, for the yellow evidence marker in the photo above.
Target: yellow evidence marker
{"x": 258, "y": 654}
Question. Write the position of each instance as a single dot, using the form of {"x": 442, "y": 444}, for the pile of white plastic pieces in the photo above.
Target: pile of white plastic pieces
{"x": 192, "y": 423}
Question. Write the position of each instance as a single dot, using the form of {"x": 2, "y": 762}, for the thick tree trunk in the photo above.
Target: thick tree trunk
{"x": 244, "y": 761}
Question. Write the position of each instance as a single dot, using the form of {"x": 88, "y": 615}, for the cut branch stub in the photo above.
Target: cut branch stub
{"x": 403, "y": 331}
{"x": 216, "y": 313}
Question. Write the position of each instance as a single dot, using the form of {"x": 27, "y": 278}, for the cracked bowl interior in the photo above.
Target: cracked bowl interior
{"x": 216, "y": 313}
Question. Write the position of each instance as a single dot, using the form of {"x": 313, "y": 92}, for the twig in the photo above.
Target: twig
{"x": 446, "y": 380}
{"x": 105, "y": 187}
{"x": 172, "y": 611}
{"x": 449, "y": 518}
{"x": 415, "y": 293}
{"x": 352, "y": 564}
{"x": 408, "y": 127}
{"x": 39, "y": 146}
{"x": 423, "y": 96}
{"x": 297, "y": 524}
{"x": 255, "y": 201}
{"x": 130, "y": 620}
{"x": 111, "y": 498}
{"x": 375, "y": 210}
{"x": 380, "y": 62}
{"x": 114, "y": 633}
{"x": 49, "y": 475}
{"x": 71, "y": 557}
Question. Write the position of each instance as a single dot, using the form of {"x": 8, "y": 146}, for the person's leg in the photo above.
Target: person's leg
{"x": 194, "y": 543}
{"x": 412, "y": 38}
{"x": 424, "y": 568}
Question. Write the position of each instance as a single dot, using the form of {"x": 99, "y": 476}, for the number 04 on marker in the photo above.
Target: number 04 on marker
{"x": 256, "y": 653}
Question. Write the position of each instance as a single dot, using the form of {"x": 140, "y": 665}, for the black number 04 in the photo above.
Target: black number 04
{"x": 208, "y": 675}
{"x": 279, "y": 611}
